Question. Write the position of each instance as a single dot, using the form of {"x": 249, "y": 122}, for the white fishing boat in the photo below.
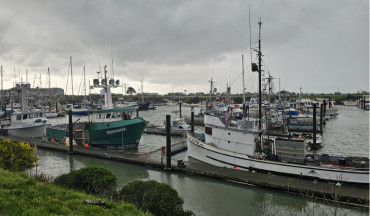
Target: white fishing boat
{"x": 248, "y": 146}
{"x": 26, "y": 123}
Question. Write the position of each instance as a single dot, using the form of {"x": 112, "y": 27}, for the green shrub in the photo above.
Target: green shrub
{"x": 157, "y": 198}
{"x": 16, "y": 157}
{"x": 91, "y": 179}
{"x": 21, "y": 195}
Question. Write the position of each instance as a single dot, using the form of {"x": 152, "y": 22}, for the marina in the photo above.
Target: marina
{"x": 249, "y": 107}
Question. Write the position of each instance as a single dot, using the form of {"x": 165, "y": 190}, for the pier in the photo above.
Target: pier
{"x": 301, "y": 186}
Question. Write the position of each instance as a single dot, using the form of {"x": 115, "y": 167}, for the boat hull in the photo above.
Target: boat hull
{"x": 34, "y": 131}
{"x": 122, "y": 134}
{"x": 219, "y": 157}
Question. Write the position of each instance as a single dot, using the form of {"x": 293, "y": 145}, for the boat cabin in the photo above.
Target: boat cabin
{"x": 30, "y": 116}
{"x": 125, "y": 113}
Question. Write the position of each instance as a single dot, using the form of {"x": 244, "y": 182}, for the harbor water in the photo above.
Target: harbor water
{"x": 345, "y": 134}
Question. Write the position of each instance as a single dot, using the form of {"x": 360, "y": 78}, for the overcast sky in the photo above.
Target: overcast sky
{"x": 321, "y": 46}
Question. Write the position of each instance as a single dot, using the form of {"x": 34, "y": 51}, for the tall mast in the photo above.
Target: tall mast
{"x": 259, "y": 75}
{"x": 84, "y": 83}
{"x": 243, "y": 79}
{"x": 49, "y": 92}
{"x": 2, "y": 85}
{"x": 142, "y": 94}
{"x": 72, "y": 79}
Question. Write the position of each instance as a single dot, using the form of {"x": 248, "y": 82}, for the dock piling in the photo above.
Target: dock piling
{"x": 168, "y": 140}
{"x": 192, "y": 118}
{"x": 70, "y": 130}
{"x": 314, "y": 124}
{"x": 321, "y": 108}
{"x": 180, "y": 109}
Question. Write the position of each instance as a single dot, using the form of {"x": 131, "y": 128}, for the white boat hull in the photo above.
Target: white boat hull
{"x": 32, "y": 131}
{"x": 51, "y": 115}
{"x": 230, "y": 159}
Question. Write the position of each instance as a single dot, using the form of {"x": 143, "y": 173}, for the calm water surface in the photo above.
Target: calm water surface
{"x": 347, "y": 133}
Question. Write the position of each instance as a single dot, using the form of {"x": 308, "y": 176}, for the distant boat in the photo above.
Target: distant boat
{"x": 178, "y": 128}
{"x": 350, "y": 103}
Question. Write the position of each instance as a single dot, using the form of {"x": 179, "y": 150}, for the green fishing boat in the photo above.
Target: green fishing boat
{"x": 113, "y": 128}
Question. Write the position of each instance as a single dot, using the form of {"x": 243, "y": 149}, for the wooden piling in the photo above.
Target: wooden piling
{"x": 168, "y": 141}
{"x": 192, "y": 118}
{"x": 321, "y": 109}
{"x": 70, "y": 130}
{"x": 314, "y": 124}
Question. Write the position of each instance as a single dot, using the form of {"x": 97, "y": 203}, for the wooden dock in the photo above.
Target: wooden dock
{"x": 351, "y": 194}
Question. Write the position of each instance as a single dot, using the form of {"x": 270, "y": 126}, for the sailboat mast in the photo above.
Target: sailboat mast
{"x": 142, "y": 94}
{"x": 72, "y": 79}
{"x": 243, "y": 79}
{"x": 84, "y": 83}
{"x": 259, "y": 76}
{"x": 2, "y": 85}
{"x": 49, "y": 92}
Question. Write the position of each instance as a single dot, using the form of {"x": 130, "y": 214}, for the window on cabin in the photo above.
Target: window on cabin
{"x": 19, "y": 117}
{"x": 103, "y": 116}
{"x": 31, "y": 115}
{"x": 98, "y": 116}
{"x": 118, "y": 115}
{"x": 134, "y": 112}
{"x": 114, "y": 115}
{"x": 108, "y": 115}
{"x": 208, "y": 130}
{"x": 44, "y": 115}
{"x": 36, "y": 115}
{"x": 25, "y": 116}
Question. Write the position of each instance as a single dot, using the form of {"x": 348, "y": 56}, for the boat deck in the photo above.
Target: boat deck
{"x": 327, "y": 190}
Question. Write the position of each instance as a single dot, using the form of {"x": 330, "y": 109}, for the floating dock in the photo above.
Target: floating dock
{"x": 351, "y": 194}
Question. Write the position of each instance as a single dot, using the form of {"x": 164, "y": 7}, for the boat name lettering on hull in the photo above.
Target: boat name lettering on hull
{"x": 116, "y": 131}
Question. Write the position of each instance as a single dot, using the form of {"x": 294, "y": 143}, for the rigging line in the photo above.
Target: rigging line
{"x": 80, "y": 82}
{"x": 239, "y": 75}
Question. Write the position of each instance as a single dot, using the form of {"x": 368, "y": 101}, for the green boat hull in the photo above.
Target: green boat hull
{"x": 121, "y": 134}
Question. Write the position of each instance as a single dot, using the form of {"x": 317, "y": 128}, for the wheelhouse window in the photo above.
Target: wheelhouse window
{"x": 208, "y": 130}
{"x": 118, "y": 115}
{"x": 108, "y": 115}
{"x": 98, "y": 116}
{"x": 35, "y": 115}
{"x": 114, "y": 115}
{"x": 25, "y": 116}
{"x": 31, "y": 115}
{"x": 19, "y": 117}
{"x": 44, "y": 115}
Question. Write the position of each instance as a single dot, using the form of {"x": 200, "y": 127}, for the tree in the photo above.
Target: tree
{"x": 157, "y": 198}
{"x": 130, "y": 91}
{"x": 16, "y": 157}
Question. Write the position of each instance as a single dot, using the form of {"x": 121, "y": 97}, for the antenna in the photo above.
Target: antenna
{"x": 112, "y": 58}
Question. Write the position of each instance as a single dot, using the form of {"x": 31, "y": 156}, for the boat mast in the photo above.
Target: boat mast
{"x": 2, "y": 103}
{"x": 49, "y": 92}
{"x": 72, "y": 79}
{"x": 259, "y": 75}
{"x": 84, "y": 83}
{"x": 243, "y": 79}
{"x": 142, "y": 94}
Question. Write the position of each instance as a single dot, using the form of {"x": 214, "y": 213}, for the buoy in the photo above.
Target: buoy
{"x": 236, "y": 168}
{"x": 87, "y": 145}
{"x": 52, "y": 140}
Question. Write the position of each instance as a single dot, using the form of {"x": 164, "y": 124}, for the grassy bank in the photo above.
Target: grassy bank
{"x": 21, "y": 195}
